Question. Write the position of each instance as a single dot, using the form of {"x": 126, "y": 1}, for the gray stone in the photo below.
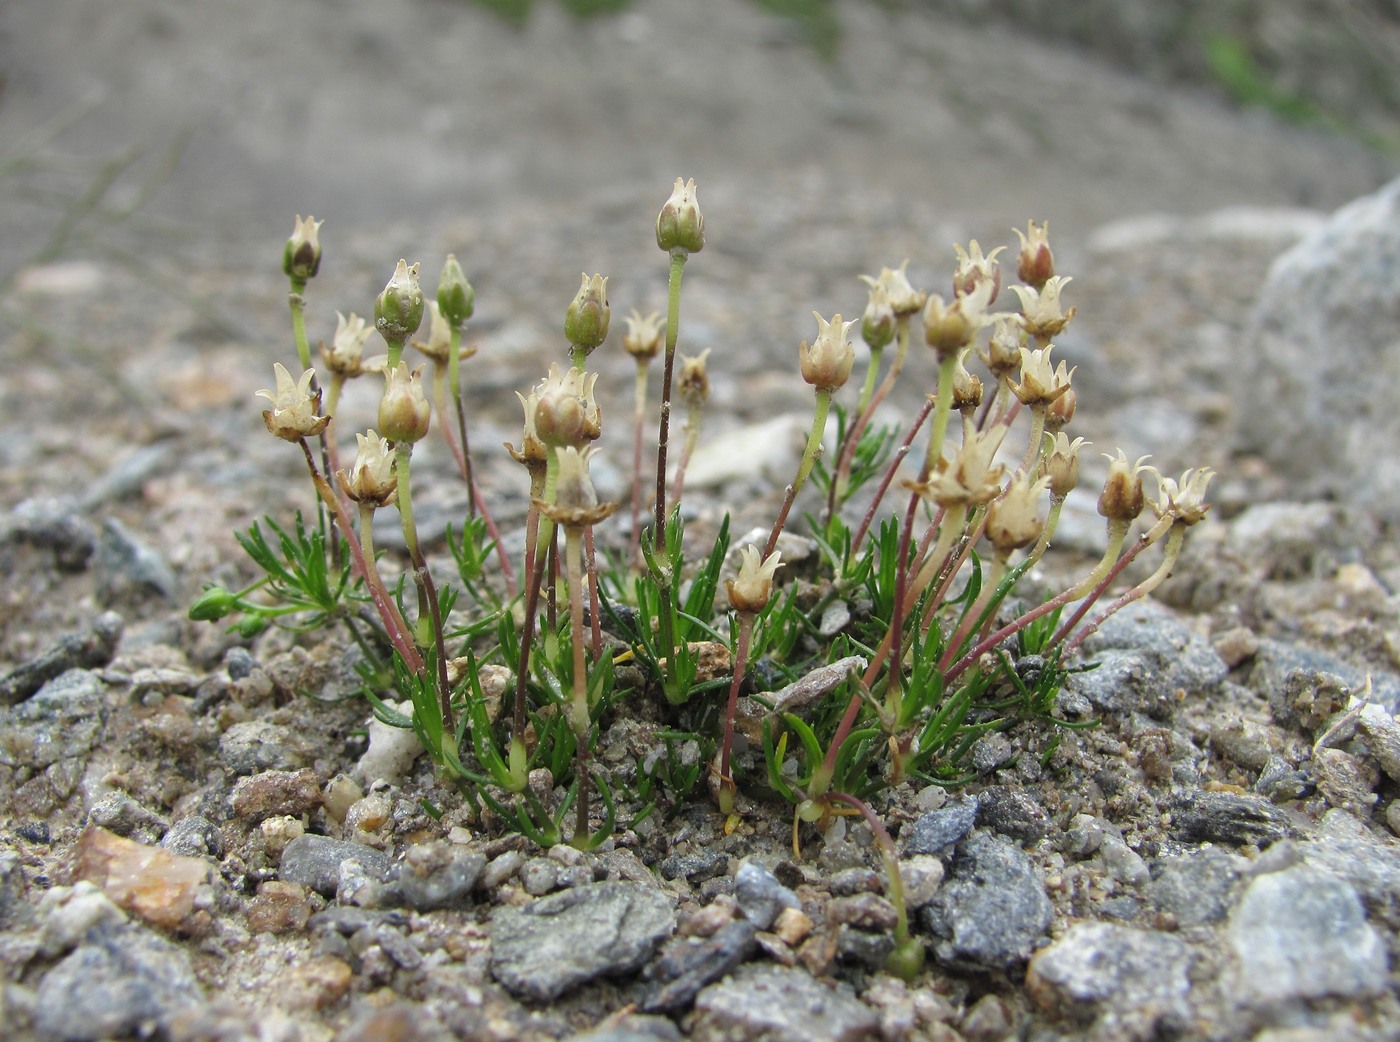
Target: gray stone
{"x": 1323, "y": 356}
{"x": 1275, "y": 660}
{"x": 1302, "y": 934}
{"x": 1224, "y": 817}
{"x": 696, "y": 867}
{"x": 1195, "y": 888}
{"x": 633, "y": 1028}
{"x": 939, "y": 829}
{"x": 761, "y": 896}
{"x": 89, "y": 649}
{"x": 440, "y": 881}
{"x": 991, "y": 751}
{"x": 1012, "y": 812}
{"x": 1344, "y": 847}
{"x": 130, "y": 570}
{"x": 1382, "y": 735}
{"x": 123, "y": 981}
{"x": 14, "y": 909}
{"x": 539, "y": 876}
{"x": 991, "y": 909}
{"x": 194, "y": 836}
{"x": 1290, "y": 541}
{"x": 1127, "y": 983}
{"x": 314, "y": 861}
{"x": 1122, "y": 862}
{"x": 777, "y": 1004}
{"x": 1281, "y": 781}
{"x": 1146, "y": 656}
{"x": 688, "y": 964}
{"x": 117, "y": 812}
{"x": 52, "y": 524}
{"x": 64, "y": 720}
{"x": 259, "y": 745}
{"x": 554, "y": 944}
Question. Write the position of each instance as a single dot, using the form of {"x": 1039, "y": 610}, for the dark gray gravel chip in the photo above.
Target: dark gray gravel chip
{"x": 1014, "y": 813}
{"x": 1229, "y": 818}
{"x": 761, "y": 896}
{"x": 314, "y": 861}
{"x": 931, "y": 833}
{"x": 194, "y": 836}
{"x": 686, "y": 965}
{"x": 90, "y": 649}
{"x": 991, "y": 909}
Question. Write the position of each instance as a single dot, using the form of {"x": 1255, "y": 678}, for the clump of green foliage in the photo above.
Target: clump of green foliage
{"x": 507, "y": 674}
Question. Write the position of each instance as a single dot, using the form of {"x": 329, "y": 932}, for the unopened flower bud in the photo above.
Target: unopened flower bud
{"x": 1035, "y": 264}
{"x": 586, "y": 321}
{"x": 974, "y": 269}
{"x": 455, "y": 297}
{"x": 877, "y": 324}
{"x": 693, "y": 381}
{"x": 1061, "y": 464}
{"x": 751, "y": 590}
{"x": 948, "y": 328}
{"x": 404, "y": 411}
{"x": 826, "y": 365}
{"x": 301, "y": 258}
{"x": 1061, "y": 410}
{"x": 372, "y": 478}
{"x": 1003, "y": 355}
{"x": 1014, "y": 521}
{"x": 1122, "y": 497}
{"x": 294, "y": 406}
{"x": 398, "y": 311}
{"x": 566, "y": 412}
{"x": 213, "y": 604}
{"x": 680, "y": 225}
{"x": 644, "y": 334}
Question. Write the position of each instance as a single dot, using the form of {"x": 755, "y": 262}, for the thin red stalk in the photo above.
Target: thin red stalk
{"x": 394, "y": 624}
{"x": 888, "y": 479}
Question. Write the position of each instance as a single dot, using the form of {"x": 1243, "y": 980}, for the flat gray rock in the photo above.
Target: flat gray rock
{"x": 1124, "y": 981}
{"x": 777, "y": 1004}
{"x": 555, "y": 944}
{"x": 1302, "y": 934}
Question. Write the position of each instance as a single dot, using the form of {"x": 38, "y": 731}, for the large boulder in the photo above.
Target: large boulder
{"x": 1318, "y": 371}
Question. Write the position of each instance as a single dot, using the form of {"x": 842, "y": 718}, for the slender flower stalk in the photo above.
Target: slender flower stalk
{"x": 643, "y": 342}
{"x": 301, "y": 259}
{"x": 575, "y": 508}
{"x": 680, "y": 231}
{"x": 826, "y": 365}
{"x": 749, "y": 594}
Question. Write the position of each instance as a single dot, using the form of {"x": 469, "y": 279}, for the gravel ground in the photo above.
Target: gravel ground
{"x": 1216, "y": 860}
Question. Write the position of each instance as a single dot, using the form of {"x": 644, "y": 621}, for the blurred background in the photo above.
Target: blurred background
{"x": 148, "y": 122}
{"x": 154, "y": 154}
